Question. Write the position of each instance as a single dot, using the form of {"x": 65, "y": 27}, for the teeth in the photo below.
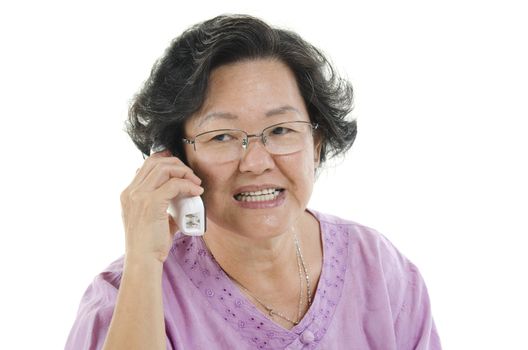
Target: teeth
{"x": 262, "y": 195}
{"x": 258, "y": 193}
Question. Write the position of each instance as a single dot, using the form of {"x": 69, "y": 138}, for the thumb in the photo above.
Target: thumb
{"x": 173, "y": 226}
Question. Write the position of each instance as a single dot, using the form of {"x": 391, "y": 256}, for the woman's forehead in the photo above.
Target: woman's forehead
{"x": 259, "y": 89}
{"x": 270, "y": 82}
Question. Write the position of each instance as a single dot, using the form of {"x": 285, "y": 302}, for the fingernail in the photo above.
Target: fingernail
{"x": 157, "y": 148}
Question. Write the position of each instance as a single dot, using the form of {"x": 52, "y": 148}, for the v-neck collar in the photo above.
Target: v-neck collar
{"x": 239, "y": 312}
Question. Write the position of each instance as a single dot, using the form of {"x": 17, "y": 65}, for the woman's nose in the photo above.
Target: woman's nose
{"x": 256, "y": 157}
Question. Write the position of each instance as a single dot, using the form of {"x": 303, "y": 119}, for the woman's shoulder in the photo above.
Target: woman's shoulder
{"x": 112, "y": 273}
{"x": 377, "y": 277}
{"x": 354, "y": 231}
{"x": 362, "y": 241}
{"x": 104, "y": 287}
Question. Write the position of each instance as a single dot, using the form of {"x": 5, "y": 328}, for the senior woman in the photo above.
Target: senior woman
{"x": 244, "y": 114}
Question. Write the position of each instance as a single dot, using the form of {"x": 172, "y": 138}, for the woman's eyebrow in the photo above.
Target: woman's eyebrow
{"x": 223, "y": 115}
{"x": 282, "y": 110}
{"x": 227, "y": 115}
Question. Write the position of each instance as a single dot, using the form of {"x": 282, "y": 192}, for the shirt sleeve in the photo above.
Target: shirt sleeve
{"x": 414, "y": 325}
{"x": 95, "y": 313}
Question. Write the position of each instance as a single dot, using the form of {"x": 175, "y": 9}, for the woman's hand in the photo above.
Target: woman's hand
{"x": 149, "y": 229}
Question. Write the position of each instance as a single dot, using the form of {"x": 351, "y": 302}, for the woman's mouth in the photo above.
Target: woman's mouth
{"x": 263, "y": 195}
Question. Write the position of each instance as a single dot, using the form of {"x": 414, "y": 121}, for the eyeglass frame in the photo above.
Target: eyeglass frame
{"x": 245, "y": 141}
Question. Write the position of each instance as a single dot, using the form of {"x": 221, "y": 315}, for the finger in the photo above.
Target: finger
{"x": 162, "y": 172}
{"x": 176, "y": 187}
{"x": 162, "y": 153}
{"x": 157, "y": 161}
{"x": 150, "y": 161}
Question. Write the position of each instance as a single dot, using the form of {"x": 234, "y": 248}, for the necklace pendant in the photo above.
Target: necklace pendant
{"x": 271, "y": 313}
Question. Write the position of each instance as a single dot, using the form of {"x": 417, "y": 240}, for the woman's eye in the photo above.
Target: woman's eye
{"x": 221, "y": 138}
{"x": 280, "y": 130}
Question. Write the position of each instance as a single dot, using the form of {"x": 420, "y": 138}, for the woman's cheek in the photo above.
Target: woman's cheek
{"x": 214, "y": 187}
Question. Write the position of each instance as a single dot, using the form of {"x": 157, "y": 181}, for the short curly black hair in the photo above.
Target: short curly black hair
{"x": 176, "y": 88}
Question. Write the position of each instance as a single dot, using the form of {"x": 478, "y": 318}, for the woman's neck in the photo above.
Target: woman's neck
{"x": 253, "y": 261}
{"x": 267, "y": 269}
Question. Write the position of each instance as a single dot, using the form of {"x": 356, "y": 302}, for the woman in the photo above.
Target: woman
{"x": 244, "y": 114}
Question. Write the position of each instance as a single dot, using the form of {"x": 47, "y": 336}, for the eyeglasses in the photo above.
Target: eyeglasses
{"x": 224, "y": 145}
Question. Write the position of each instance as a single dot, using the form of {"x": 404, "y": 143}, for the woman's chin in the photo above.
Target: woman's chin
{"x": 258, "y": 226}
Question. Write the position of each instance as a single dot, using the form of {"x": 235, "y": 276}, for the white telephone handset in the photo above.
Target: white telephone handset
{"x": 188, "y": 212}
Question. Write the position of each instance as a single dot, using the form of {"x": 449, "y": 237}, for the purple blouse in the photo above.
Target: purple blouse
{"x": 369, "y": 296}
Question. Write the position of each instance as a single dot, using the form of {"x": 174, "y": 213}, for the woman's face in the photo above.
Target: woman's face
{"x": 250, "y": 96}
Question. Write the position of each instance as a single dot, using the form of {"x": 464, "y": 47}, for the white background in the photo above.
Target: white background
{"x": 439, "y": 165}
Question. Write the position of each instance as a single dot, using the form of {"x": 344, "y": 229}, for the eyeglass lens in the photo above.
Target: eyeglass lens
{"x": 227, "y": 145}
